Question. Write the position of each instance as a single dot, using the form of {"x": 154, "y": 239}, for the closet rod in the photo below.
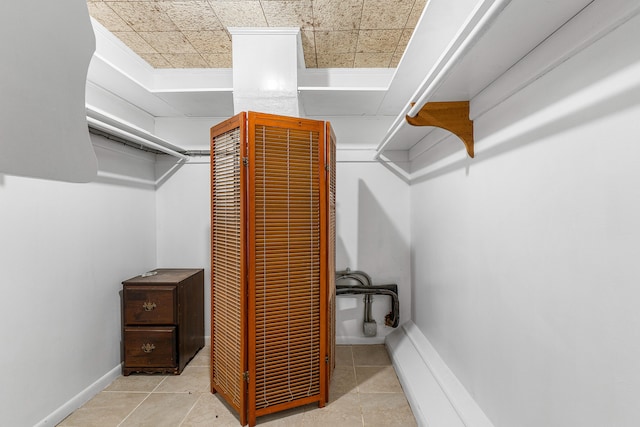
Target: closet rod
{"x": 470, "y": 32}
{"x": 116, "y": 127}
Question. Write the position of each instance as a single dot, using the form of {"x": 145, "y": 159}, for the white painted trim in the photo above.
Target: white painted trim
{"x": 483, "y": 15}
{"x": 565, "y": 43}
{"x": 341, "y": 89}
{"x": 357, "y": 155}
{"x": 363, "y": 155}
{"x": 263, "y": 31}
{"x": 112, "y": 51}
{"x": 430, "y": 140}
{"x": 80, "y": 399}
{"x": 436, "y": 396}
{"x": 476, "y": 25}
{"x": 85, "y": 395}
{"x": 600, "y": 18}
{"x": 349, "y": 78}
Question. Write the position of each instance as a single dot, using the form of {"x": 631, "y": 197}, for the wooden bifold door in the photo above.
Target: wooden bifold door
{"x": 272, "y": 262}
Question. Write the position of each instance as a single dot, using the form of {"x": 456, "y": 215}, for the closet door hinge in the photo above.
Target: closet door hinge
{"x": 327, "y": 168}
{"x": 245, "y": 376}
{"x": 326, "y": 359}
{"x": 245, "y": 161}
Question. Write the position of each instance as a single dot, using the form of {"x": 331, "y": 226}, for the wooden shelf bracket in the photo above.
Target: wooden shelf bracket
{"x": 451, "y": 116}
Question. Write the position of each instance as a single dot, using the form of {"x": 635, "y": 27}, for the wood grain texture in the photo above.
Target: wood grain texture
{"x": 451, "y": 116}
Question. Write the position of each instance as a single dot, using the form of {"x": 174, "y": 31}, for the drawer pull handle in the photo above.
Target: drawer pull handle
{"x": 148, "y": 305}
{"x": 148, "y": 348}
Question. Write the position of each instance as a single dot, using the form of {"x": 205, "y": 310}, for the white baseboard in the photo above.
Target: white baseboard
{"x": 436, "y": 396}
{"x": 85, "y": 395}
{"x": 80, "y": 399}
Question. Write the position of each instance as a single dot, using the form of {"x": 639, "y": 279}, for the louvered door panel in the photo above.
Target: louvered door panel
{"x": 272, "y": 262}
{"x": 331, "y": 252}
{"x": 287, "y": 285}
{"x": 228, "y": 271}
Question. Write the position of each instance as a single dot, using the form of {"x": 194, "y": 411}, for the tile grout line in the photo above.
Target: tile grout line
{"x": 190, "y": 409}
{"x": 134, "y": 409}
{"x": 143, "y": 400}
{"x": 159, "y": 384}
{"x": 353, "y": 364}
{"x": 358, "y": 396}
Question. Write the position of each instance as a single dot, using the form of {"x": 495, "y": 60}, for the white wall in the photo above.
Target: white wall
{"x": 184, "y": 221}
{"x": 190, "y": 133}
{"x": 524, "y": 259}
{"x": 372, "y": 216}
{"x": 65, "y": 249}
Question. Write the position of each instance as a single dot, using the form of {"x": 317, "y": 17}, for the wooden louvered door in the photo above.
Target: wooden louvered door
{"x": 287, "y": 272}
{"x": 272, "y": 269}
{"x": 330, "y": 156}
{"x": 228, "y": 263}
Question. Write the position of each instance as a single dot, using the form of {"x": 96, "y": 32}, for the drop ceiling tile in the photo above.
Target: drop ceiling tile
{"x": 202, "y": 23}
{"x": 218, "y": 60}
{"x": 311, "y": 61}
{"x": 239, "y": 13}
{"x": 156, "y": 60}
{"x": 144, "y": 16}
{"x": 328, "y": 42}
{"x": 337, "y": 14}
{"x": 186, "y": 60}
{"x": 193, "y": 15}
{"x": 168, "y": 42}
{"x": 209, "y": 41}
{"x": 135, "y": 42}
{"x": 102, "y": 13}
{"x": 395, "y": 59}
{"x": 376, "y": 41}
{"x": 415, "y": 14}
{"x": 404, "y": 39}
{"x": 336, "y": 60}
{"x": 373, "y": 60}
{"x": 288, "y": 13}
{"x": 384, "y": 14}
{"x": 309, "y": 48}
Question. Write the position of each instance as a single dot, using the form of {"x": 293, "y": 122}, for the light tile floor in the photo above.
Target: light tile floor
{"x": 365, "y": 391}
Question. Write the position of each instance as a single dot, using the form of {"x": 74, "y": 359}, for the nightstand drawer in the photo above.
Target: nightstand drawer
{"x": 163, "y": 320}
{"x": 150, "y": 346}
{"x": 150, "y": 305}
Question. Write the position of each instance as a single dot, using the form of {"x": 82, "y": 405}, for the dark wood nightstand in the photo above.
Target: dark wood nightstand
{"x": 163, "y": 316}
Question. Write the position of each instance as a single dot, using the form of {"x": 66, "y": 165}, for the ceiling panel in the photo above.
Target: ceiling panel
{"x": 385, "y": 14}
{"x": 194, "y": 33}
